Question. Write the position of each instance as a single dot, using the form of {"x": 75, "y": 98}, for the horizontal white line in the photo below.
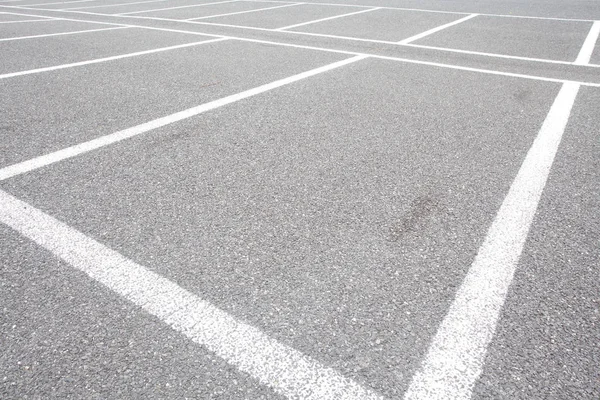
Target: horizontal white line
{"x": 495, "y": 55}
{"x": 433, "y": 11}
{"x": 61, "y": 34}
{"x": 112, "y": 5}
{"x": 179, "y": 7}
{"x": 328, "y": 18}
{"x": 69, "y": 152}
{"x": 588, "y": 46}
{"x": 284, "y": 369}
{"x": 105, "y": 59}
{"x": 243, "y": 12}
{"x": 436, "y": 29}
{"x": 456, "y": 356}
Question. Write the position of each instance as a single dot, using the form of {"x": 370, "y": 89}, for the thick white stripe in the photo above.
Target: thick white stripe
{"x": 105, "y": 59}
{"x": 588, "y": 46}
{"x": 177, "y": 8}
{"x": 62, "y": 33}
{"x": 73, "y": 151}
{"x": 328, "y": 18}
{"x": 244, "y": 12}
{"x": 274, "y": 364}
{"x": 436, "y": 29}
{"x": 456, "y": 356}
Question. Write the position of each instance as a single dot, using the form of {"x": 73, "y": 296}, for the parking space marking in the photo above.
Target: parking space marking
{"x": 496, "y": 55}
{"x": 112, "y": 5}
{"x": 588, "y": 46}
{"x": 28, "y": 20}
{"x": 436, "y": 29}
{"x": 244, "y": 12}
{"x": 431, "y": 11}
{"x": 105, "y": 59}
{"x": 328, "y": 18}
{"x": 94, "y": 144}
{"x": 62, "y": 33}
{"x": 179, "y": 7}
{"x": 274, "y": 364}
{"x": 455, "y": 358}
{"x": 57, "y": 2}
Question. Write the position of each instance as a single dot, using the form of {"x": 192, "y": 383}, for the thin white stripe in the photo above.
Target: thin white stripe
{"x": 284, "y": 369}
{"x": 112, "y": 5}
{"x": 179, "y": 7}
{"x": 105, "y": 59}
{"x": 57, "y": 2}
{"x": 436, "y": 29}
{"x": 27, "y": 20}
{"x": 328, "y": 18}
{"x": 588, "y": 46}
{"x": 456, "y": 356}
{"x": 73, "y": 151}
{"x": 61, "y": 33}
{"x": 244, "y": 12}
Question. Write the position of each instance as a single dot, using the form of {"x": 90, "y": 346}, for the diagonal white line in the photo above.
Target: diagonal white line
{"x": 62, "y": 33}
{"x": 328, "y": 18}
{"x": 179, "y": 7}
{"x": 588, "y": 46}
{"x": 456, "y": 356}
{"x": 436, "y": 29}
{"x": 105, "y": 59}
{"x": 111, "y": 5}
{"x": 81, "y": 148}
{"x": 243, "y": 12}
{"x": 284, "y": 369}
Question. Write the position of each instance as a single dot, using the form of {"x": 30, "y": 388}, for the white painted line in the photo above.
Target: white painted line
{"x": 179, "y": 7}
{"x": 28, "y": 20}
{"x": 76, "y": 150}
{"x": 105, "y": 59}
{"x": 112, "y": 5}
{"x": 496, "y": 55}
{"x": 57, "y": 2}
{"x": 282, "y": 368}
{"x": 328, "y": 18}
{"x": 456, "y": 356}
{"x": 61, "y": 33}
{"x": 331, "y": 50}
{"x": 436, "y": 29}
{"x": 431, "y": 11}
{"x": 30, "y": 15}
{"x": 244, "y": 12}
{"x": 588, "y": 46}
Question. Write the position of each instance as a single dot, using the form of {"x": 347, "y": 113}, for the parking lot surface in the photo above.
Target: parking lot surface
{"x": 308, "y": 200}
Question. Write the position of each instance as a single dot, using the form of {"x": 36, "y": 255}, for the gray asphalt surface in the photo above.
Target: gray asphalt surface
{"x": 338, "y": 214}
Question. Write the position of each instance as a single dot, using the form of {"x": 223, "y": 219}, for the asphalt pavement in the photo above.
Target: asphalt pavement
{"x": 220, "y": 199}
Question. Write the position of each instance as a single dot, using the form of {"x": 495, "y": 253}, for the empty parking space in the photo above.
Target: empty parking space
{"x": 28, "y": 29}
{"x": 547, "y": 344}
{"x": 26, "y": 55}
{"x": 522, "y": 37}
{"x": 6, "y": 18}
{"x": 265, "y": 199}
{"x": 106, "y": 346}
{"x": 281, "y": 17}
{"x": 103, "y": 98}
{"x": 199, "y": 10}
{"x": 381, "y": 24}
{"x": 337, "y": 231}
